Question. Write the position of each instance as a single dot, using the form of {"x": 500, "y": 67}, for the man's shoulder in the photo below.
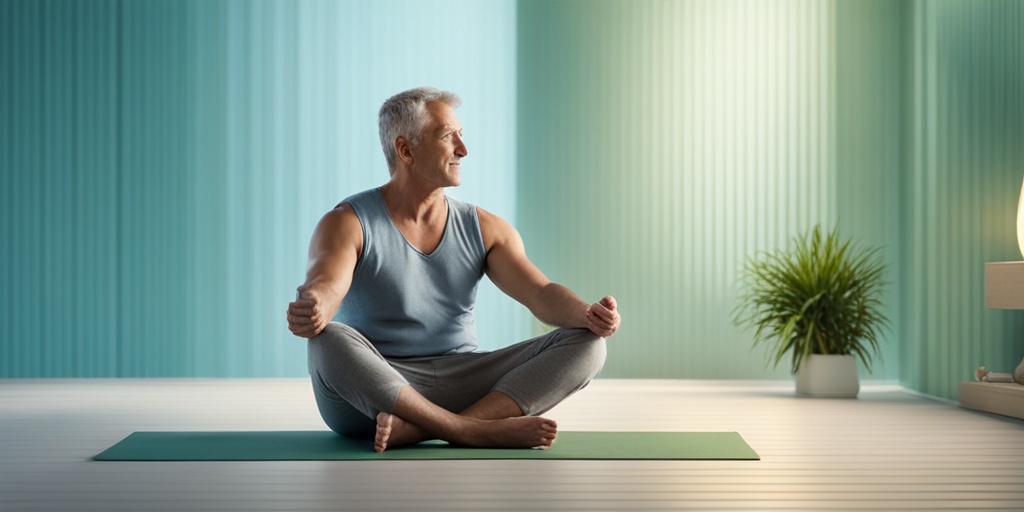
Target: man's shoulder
{"x": 337, "y": 230}
{"x": 494, "y": 229}
{"x": 342, "y": 216}
{"x": 363, "y": 207}
{"x": 360, "y": 197}
{"x": 489, "y": 217}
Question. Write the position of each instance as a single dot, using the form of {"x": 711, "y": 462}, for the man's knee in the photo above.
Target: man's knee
{"x": 331, "y": 344}
{"x": 589, "y": 350}
{"x": 565, "y": 362}
{"x": 339, "y": 415}
{"x": 348, "y": 371}
{"x": 581, "y": 353}
{"x": 335, "y": 331}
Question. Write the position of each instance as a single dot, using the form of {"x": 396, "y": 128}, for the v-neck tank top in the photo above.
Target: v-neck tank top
{"x": 406, "y": 302}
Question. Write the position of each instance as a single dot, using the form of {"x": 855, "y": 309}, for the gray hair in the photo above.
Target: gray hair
{"x": 405, "y": 115}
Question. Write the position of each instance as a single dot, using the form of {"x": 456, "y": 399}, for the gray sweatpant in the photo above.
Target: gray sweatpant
{"x": 352, "y": 381}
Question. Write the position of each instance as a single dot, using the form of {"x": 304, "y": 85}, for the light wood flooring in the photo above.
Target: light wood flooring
{"x": 887, "y": 450}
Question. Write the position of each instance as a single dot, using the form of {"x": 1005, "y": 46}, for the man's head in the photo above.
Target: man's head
{"x": 405, "y": 115}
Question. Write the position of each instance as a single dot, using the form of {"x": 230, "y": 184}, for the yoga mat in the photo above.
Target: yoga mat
{"x": 326, "y": 445}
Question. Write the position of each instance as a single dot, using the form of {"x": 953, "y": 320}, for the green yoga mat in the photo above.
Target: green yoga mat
{"x": 326, "y": 445}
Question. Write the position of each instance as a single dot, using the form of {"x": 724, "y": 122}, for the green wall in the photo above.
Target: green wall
{"x": 164, "y": 163}
{"x": 964, "y": 161}
{"x": 673, "y": 139}
{"x": 868, "y": 100}
{"x": 676, "y": 139}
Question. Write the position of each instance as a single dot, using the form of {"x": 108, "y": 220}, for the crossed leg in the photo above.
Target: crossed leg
{"x": 353, "y": 383}
{"x": 494, "y": 421}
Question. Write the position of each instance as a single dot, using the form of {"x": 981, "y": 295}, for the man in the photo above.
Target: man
{"x": 400, "y": 265}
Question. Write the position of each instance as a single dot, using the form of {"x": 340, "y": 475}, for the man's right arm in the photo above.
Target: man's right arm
{"x": 333, "y": 252}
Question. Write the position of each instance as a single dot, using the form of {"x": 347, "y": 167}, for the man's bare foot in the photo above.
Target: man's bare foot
{"x": 384, "y": 429}
{"x": 520, "y": 432}
{"x": 394, "y": 431}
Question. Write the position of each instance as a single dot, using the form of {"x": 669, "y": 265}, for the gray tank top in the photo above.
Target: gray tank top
{"x": 408, "y": 303}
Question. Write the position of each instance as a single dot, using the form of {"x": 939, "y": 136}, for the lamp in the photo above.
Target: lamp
{"x": 1004, "y": 289}
{"x": 1004, "y": 281}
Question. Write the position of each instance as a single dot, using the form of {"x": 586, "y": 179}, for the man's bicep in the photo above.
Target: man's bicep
{"x": 512, "y": 271}
{"x": 334, "y": 250}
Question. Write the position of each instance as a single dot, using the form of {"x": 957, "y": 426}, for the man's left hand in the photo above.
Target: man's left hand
{"x": 603, "y": 317}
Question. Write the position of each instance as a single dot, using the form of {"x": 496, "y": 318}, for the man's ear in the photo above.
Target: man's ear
{"x": 404, "y": 150}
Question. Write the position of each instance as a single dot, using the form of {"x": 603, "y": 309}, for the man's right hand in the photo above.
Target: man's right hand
{"x": 307, "y": 315}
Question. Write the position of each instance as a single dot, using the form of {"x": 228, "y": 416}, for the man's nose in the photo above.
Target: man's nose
{"x": 460, "y": 147}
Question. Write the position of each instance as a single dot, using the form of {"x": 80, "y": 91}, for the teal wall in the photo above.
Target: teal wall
{"x": 164, "y": 163}
{"x": 964, "y": 162}
{"x": 868, "y": 100}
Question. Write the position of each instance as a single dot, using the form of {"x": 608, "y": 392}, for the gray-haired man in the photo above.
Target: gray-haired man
{"x": 397, "y": 267}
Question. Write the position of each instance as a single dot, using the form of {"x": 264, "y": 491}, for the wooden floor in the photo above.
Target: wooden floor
{"x": 888, "y": 450}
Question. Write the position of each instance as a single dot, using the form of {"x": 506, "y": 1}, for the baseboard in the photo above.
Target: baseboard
{"x": 1006, "y": 399}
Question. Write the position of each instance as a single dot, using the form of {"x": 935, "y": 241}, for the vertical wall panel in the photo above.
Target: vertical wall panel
{"x": 164, "y": 164}
{"x": 868, "y": 101}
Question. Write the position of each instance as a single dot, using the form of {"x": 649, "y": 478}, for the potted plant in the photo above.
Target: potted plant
{"x": 819, "y": 300}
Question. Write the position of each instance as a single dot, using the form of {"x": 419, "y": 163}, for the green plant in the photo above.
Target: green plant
{"x": 819, "y": 296}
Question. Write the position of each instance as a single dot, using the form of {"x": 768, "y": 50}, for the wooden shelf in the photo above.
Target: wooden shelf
{"x": 1006, "y": 399}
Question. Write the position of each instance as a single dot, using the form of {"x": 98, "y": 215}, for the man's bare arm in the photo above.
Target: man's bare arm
{"x": 513, "y": 273}
{"x": 333, "y": 252}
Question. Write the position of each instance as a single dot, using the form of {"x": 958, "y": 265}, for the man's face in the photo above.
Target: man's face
{"x": 441, "y": 147}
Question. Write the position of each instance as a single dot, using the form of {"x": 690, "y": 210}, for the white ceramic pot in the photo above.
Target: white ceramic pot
{"x": 828, "y": 376}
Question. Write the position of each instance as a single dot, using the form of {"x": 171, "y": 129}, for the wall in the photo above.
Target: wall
{"x": 675, "y": 138}
{"x": 964, "y": 163}
{"x": 164, "y": 163}
{"x": 664, "y": 142}
{"x": 868, "y": 100}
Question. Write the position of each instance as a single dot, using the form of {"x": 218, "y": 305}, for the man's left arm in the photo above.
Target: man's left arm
{"x": 513, "y": 273}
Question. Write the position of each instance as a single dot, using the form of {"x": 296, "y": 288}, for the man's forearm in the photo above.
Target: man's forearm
{"x": 327, "y": 293}
{"x": 558, "y": 306}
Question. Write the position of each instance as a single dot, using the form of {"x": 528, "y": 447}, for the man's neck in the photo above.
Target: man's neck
{"x": 407, "y": 203}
